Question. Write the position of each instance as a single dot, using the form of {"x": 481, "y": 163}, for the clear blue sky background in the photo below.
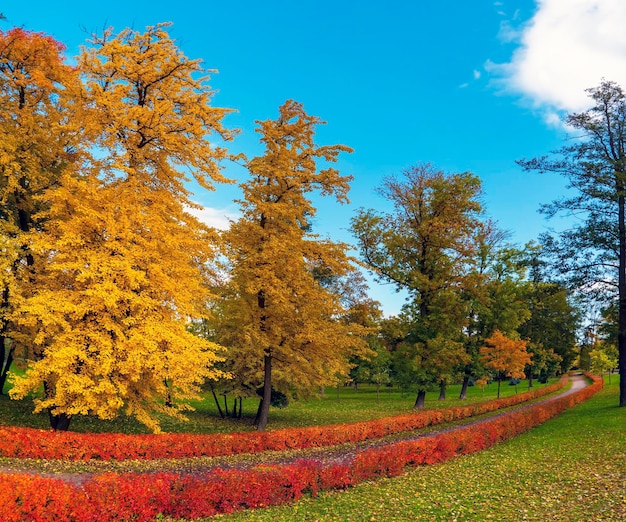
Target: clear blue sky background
{"x": 465, "y": 85}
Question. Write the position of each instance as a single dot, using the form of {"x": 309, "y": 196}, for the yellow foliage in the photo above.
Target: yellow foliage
{"x": 119, "y": 268}
{"x": 275, "y": 309}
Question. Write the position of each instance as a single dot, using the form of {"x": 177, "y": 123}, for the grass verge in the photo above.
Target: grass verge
{"x": 572, "y": 468}
{"x": 336, "y": 406}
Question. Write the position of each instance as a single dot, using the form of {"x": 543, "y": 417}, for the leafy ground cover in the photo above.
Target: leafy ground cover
{"x": 571, "y": 468}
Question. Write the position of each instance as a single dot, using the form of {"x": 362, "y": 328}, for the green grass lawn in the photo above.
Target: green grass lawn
{"x": 337, "y": 405}
{"x": 572, "y": 468}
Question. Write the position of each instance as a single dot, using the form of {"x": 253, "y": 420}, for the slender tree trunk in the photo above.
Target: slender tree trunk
{"x": 419, "y": 401}
{"x": 530, "y": 379}
{"x": 621, "y": 286}
{"x": 4, "y": 367}
{"x": 226, "y": 405}
{"x": 217, "y": 402}
{"x": 499, "y": 382}
{"x": 240, "y": 407}
{"x": 463, "y": 394}
{"x": 264, "y": 407}
{"x": 442, "y": 391}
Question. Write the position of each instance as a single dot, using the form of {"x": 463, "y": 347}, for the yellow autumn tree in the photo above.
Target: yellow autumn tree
{"x": 123, "y": 263}
{"x": 39, "y": 141}
{"x": 282, "y": 324}
{"x": 505, "y": 356}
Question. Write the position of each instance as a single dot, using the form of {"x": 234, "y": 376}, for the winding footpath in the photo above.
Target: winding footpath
{"x": 343, "y": 454}
{"x": 41, "y": 489}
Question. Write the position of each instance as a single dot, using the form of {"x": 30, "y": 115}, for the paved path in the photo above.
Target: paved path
{"x": 202, "y": 465}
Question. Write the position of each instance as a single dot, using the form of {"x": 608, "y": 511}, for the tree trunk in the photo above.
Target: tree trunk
{"x": 264, "y": 406}
{"x": 419, "y": 401}
{"x": 59, "y": 422}
{"x": 226, "y": 404}
{"x": 4, "y": 368}
{"x": 499, "y": 382}
{"x": 463, "y": 394}
{"x": 442, "y": 391}
{"x": 217, "y": 402}
{"x": 168, "y": 394}
{"x": 530, "y": 379}
{"x": 621, "y": 286}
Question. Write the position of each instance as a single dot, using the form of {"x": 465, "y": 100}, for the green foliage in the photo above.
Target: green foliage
{"x": 553, "y": 321}
{"x": 424, "y": 247}
{"x": 603, "y": 358}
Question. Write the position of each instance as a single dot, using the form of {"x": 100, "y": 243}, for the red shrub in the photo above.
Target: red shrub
{"x": 31, "y": 443}
{"x": 141, "y": 497}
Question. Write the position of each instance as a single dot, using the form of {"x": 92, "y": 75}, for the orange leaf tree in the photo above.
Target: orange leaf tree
{"x": 281, "y": 321}
{"x": 39, "y": 142}
{"x": 505, "y": 356}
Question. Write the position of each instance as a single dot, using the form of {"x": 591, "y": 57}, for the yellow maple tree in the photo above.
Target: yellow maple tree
{"x": 39, "y": 140}
{"x": 122, "y": 265}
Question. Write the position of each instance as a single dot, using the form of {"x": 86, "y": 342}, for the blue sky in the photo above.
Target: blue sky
{"x": 465, "y": 85}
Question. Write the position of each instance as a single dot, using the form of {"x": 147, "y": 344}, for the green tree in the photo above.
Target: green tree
{"x": 495, "y": 296}
{"x": 423, "y": 247}
{"x": 603, "y": 359}
{"x": 553, "y": 321}
{"x": 592, "y": 253}
{"x": 545, "y": 363}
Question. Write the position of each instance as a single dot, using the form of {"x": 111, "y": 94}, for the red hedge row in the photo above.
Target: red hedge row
{"x": 141, "y": 497}
{"x": 42, "y": 444}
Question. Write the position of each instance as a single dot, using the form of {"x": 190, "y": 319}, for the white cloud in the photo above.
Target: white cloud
{"x": 508, "y": 32}
{"x": 214, "y": 217}
{"x": 567, "y": 47}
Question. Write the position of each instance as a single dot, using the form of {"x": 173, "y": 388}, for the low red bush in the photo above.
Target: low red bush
{"x": 141, "y": 497}
{"x": 42, "y": 444}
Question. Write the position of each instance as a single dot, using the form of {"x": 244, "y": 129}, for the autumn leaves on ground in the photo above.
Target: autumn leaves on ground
{"x": 117, "y": 303}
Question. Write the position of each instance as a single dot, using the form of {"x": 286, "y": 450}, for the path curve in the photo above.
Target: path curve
{"x": 343, "y": 454}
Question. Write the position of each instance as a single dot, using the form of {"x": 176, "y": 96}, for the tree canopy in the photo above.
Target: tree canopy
{"x": 424, "y": 247}
{"x": 117, "y": 266}
{"x": 282, "y": 319}
{"x": 592, "y": 253}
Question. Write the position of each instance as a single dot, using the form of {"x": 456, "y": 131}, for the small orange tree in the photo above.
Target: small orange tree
{"x": 506, "y": 357}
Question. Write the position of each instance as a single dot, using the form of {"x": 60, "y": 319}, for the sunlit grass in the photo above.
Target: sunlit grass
{"x": 336, "y": 405}
{"x": 572, "y": 468}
